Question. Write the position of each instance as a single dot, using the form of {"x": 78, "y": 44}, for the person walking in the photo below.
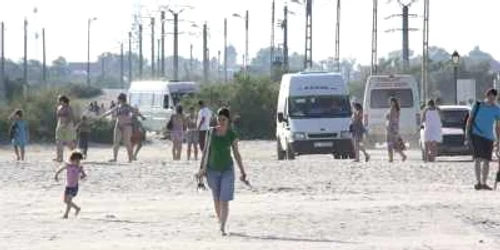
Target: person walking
{"x": 192, "y": 134}
{"x": 217, "y": 165}
{"x": 482, "y": 122}
{"x": 83, "y": 133}
{"x": 204, "y": 117}
{"x": 178, "y": 122}
{"x": 431, "y": 121}
{"x": 19, "y": 134}
{"x": 138, "y": 132}
{"x": 123, "y": 126}
{"x": 394, "y": 141}
{"x": 65, "y": 131}
{"x": 358, "y": 130}
{"x": 74, "y": 171}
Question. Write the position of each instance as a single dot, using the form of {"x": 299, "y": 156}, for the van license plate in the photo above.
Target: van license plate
{"x": 323, "y": 144}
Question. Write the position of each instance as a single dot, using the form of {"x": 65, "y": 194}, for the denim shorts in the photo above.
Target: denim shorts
{"x": 221, "y": 183}
{"x": 71, "y": 191}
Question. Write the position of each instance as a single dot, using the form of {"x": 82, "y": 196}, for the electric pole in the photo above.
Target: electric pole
{"x": 205, "y": 56}
{"x": 130, "y": 69}
{"x": 176, "y": 51}
{"x": 158, "y": 59}
{"x": 425, "y": 53}
{"x": 406, "y": 42}
{"x": 271, "y": 47}
{"x": 140, "y": 51}
{"x": 308, "y": 63}
{"x": 153, "y": 47}
{"x": 286, "y": 66}
{"x": 25, "y": 60}
{"x": 2, "y": 60}
{"x": 44, "y": 58}
{"x": 225, "y": 51}
{"x": 374, "y": 38}
{"x": 122, "y": 66}
{"x": 337, "y": 39}
{"x": 162, "y": 44}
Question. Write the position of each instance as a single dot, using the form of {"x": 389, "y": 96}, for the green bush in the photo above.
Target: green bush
{"x": 251, "y": 101}
{"x": 102, "y": 131}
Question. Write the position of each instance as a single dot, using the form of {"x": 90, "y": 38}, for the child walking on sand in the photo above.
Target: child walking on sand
{"x": 18, "y": 133}
{"x": 73, "y": 172}
{"x": 83, "y": 130}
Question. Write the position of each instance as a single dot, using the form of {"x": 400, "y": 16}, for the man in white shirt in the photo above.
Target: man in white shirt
{"x": 204, "y": 117}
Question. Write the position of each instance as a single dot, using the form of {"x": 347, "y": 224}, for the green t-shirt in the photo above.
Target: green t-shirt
{"x": 220, "y": 150}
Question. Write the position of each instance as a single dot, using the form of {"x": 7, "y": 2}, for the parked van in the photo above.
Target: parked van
{"x": 313, "y": 116}
{"x": 379, "y": 89}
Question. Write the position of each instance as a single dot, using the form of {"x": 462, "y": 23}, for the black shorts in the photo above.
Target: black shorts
{"x": 482, "y": 147}
{"x": 71, "y": 191}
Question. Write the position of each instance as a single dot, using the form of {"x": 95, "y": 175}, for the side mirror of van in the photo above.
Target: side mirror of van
{"x": 281, "y": 118}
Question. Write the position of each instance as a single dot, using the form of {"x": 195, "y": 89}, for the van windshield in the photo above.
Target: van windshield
{"x": 454, "y": 118}
{"x": 319, "y": 106}
{"x": 379, "y": 98}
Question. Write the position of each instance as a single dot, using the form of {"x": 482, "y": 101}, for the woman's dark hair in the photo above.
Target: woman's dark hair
{"x": 358, "y": 106}
{"x": 224, "y": 112}
{"x": 122, "y": 97}
{"x": 201, "y": 103}
{"x": 431, "y": 103}
{"x": 63, "y": 99}
{"x": 179, "y": 109}
{"x": 396, "y": 103}
{"x": 19, "y": 113}
{"x": 493, "y": 92}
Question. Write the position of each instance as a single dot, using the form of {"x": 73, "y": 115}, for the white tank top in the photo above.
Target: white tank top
{"x": 432, "y": 119}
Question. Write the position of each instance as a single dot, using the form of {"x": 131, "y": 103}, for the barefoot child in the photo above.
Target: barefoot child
{"x": 83, "y": 131}
{"x": 73, "y": 172}
{"x": 18, "y": 133}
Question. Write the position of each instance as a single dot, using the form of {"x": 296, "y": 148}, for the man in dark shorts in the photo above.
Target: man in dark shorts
{"x": 484, "y": 118}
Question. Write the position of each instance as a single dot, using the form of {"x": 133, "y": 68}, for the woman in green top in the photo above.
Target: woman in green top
{"x": 217, "y": 164}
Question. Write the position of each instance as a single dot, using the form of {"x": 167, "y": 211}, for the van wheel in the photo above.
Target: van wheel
{"x": 281, "y": 153}
{"x": 336, "y": 156}
{"x": 290, "y": 155}
{"x": 351, "y": 155}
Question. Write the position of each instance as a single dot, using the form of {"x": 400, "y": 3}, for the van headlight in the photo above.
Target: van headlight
{"x": 299, "y": 136}
{"x": 345, "y": 134}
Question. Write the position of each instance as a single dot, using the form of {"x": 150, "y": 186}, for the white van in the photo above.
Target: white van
{"x": 379, "y": 89}
{"x": 313, "y": 116}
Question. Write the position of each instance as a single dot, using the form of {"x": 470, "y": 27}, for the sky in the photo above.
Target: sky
{"x": 454, "y": 24}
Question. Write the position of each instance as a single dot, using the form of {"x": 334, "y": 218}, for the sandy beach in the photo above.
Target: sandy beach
{"x": 314, "y": 202}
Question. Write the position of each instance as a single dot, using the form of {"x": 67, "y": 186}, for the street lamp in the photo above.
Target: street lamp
{"x": 90, "y": 20}
{"x": 455, "y": 57}
{"x": 245, "y": 61}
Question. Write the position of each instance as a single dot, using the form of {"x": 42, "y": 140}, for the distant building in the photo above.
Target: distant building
{"x": 80, "y": 68}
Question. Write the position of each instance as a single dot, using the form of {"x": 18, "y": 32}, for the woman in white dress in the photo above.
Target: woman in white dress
{"x": 431, "y": 120}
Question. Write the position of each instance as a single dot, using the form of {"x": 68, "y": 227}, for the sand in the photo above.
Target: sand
{"x": 314, "y": 202}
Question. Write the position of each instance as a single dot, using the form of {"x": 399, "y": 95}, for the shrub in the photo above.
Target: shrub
{"x": 102, "y": 131}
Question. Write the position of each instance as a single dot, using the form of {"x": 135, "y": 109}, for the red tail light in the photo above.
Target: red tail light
{"x": 365, "y": 119}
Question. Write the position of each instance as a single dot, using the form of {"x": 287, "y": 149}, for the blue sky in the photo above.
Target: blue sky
{"x": 454, "y": 24}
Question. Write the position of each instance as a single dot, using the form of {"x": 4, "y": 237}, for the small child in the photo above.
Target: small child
{"x": 83, "y": 130}
{"x": 18, "y": 133}
{"x": 73, "y": 172}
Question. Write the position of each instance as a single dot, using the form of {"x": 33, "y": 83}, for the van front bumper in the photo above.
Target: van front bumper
{"x": 338, "y": 146}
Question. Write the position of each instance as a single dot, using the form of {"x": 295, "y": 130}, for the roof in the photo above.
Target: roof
{"x": 149, "y": 86}
{"x": 454, "y": 107}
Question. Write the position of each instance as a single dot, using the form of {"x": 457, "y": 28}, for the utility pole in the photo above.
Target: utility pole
{"x": 425, "y": 53}
{"x": 2, "y": 59}
{"x": 122, "y": 66}
{"x": 205, "y": 56}
{"x": 271, "y": 47}
{"x": 218, "y": 64}
{"x": 337, "y": 39}
{"x": 308, "y": 63}
{"x": 286, "y": 66}
{"x": 176, "y": 46}
{"x": 225, "y": 51}
{"x": 158, "y": 61}
{"x": 190, "y": 61}
{"x": 25, "y": 60}
{"x": 153, "y": 47}
{"x": 374, "y": 38}
{"x": 162, "y": 44}
{"x": 246, "y": 44}
{"x": 140, "y": 51}
{"x": 406, "y": 42}
{"x": 130, "y": 69}
{"x": 44, "y": 58}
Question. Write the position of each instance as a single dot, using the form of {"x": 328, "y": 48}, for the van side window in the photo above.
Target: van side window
{"x": 285, "y": 111}
{"x": 165, "y": 102}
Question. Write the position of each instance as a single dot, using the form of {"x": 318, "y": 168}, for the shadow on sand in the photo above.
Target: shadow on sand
{"x": 277, "y": 238}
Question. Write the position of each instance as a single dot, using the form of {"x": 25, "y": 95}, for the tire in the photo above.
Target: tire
{"x": 351, "y": 155}
{"x": 280, "y": 152}
{"x": 290, "y": 155}
{"x": 336, "y": 156}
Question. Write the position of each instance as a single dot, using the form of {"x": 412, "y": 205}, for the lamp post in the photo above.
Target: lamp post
{"x": 245, "y": 61}
{"x": 455, "y": 57}
{"x": 90, "y": 20}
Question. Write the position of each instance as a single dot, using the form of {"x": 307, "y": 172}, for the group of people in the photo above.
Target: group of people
{"x": 96, "y": 109}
